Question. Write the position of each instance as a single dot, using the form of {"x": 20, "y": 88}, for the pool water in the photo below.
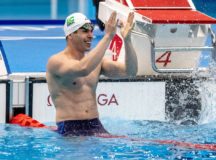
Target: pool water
{"x": 19, "y": 143}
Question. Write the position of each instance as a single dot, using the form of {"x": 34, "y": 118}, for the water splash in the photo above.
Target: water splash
{"x": 207, "y": 91}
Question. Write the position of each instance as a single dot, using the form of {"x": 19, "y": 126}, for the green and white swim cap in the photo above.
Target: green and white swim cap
{"x": 73, "y": 22}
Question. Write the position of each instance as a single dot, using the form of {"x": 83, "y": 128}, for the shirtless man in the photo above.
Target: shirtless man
{"x": 72, "y": 75}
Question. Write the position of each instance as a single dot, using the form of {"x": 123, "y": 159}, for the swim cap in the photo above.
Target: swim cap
{"x": 73, "y": 22}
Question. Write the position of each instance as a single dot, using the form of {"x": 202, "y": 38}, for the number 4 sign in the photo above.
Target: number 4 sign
{"x": 115, "y": 47}
{"x": 164, "y": 58}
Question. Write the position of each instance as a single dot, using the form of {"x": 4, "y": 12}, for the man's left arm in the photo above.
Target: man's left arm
{"x": 130, "y": 66}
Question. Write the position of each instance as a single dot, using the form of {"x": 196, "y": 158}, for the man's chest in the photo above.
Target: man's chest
{"x": 88, "y": 81}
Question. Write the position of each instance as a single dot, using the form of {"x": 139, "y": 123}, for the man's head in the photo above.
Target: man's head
{"x": 75, "y": 21}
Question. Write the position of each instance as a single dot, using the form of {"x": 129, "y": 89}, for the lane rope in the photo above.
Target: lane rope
{"x": 26, "y": 121}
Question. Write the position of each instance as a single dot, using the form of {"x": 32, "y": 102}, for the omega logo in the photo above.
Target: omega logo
{"x": 102, "y": 99}
{"x": 49, "y": 101}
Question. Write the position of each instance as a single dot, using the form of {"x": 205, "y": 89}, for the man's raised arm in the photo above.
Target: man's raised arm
{"x": 131, "y": 63}
{"x": 129, "y": 68}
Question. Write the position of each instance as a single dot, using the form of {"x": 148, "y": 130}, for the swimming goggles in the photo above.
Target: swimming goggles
{"x": 87, "y": 27}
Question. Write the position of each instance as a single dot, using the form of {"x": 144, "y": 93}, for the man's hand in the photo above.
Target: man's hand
{"x": 126, "y": 28}
{"x": 110, "y": 26}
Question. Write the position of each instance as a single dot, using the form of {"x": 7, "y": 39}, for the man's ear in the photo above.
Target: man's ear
{"x": 69, "y": 36}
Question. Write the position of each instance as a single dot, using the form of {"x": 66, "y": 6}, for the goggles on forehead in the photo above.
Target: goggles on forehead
{"x": 88, "y": 27}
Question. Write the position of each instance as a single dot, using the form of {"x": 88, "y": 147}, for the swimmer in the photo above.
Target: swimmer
{"x": 73, "y": 74}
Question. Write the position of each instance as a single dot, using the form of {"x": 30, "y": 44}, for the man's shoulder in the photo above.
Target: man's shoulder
{"x": 55, "y": 57}
{"x": 54, "y": 61}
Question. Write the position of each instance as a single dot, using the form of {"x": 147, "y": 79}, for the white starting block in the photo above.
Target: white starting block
{"x": 168, "y": 36}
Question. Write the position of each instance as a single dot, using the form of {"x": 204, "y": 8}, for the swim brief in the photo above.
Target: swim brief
{"x": 80, "y": 127}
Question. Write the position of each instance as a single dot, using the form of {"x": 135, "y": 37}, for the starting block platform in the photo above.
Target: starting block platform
{"x": 168, "y": 36}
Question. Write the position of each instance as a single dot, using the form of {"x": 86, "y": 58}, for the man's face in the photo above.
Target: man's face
{"x": 83, "y": 37}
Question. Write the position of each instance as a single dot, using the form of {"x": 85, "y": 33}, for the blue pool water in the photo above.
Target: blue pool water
{"x": 20, "y": 143}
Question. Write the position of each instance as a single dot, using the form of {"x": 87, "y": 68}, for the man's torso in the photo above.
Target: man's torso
{"x": 74, "y": 99}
